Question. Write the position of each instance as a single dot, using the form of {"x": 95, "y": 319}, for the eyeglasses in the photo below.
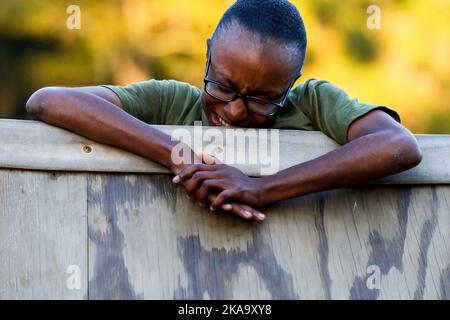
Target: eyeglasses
{"x": 255, "y": 104}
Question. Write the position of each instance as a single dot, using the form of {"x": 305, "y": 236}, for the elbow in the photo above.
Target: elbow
{"x": 39, "y": 101}
{"x": 407, "y": 153}
{"x": 35, "y": 102}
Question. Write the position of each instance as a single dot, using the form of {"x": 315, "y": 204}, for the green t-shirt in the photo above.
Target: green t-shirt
{"x": 312, "y": 105}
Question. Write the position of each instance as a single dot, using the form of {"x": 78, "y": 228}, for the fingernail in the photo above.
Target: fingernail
{"x": 227, "y": 207}
{"x": 247, "y": 213}
{"x": 176, "y": 179}
{"x": 211, "y": 208}
{"x": 261, "y": 216}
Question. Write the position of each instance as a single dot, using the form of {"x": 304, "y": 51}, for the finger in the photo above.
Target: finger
{"x": 209, "y": 159}
{"x": 222, "y": 198}
{"x": 238, "y": 209}
{"x": 257, "y": 215}
{"x": 226, "y": 206}
{"x": 206, "y": 186}
{"x": 235, "y": 208}
{"x": 193, "y": 184}
{"x": 187, "y": 172}
{"x": 242, "y": 211}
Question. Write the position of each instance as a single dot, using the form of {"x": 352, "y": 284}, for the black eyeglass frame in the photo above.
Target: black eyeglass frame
{"x": 238, "y": 95}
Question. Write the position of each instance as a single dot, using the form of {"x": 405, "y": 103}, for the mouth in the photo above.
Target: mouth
{"x": 219, "y": 121}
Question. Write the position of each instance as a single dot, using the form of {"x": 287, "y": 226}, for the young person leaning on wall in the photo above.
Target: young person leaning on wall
{"x": 253, "y": 59}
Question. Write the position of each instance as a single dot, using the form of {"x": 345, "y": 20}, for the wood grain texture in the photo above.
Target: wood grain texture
{"x": 136, "y": 236}
{"x": 148, "y": 241}
{"x": 43, "y": 231}
{"x": 36, "y": 145}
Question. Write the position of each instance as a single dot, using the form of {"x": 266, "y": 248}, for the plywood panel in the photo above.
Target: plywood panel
{"x": 148, "y": 241}
{"x": 43, "y": 235}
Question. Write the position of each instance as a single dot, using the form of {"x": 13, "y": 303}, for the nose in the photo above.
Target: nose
{"x": 236, "y": 110}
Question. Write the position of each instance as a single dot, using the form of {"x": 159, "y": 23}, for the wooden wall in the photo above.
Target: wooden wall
{"x": 136, "y": 236}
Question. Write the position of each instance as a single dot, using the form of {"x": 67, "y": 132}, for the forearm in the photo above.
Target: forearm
{"x": 366, "y": 158}
{"x": 98, "y": 119}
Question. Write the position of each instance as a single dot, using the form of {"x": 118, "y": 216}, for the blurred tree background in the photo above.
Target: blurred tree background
{"x": 404, "y": 65}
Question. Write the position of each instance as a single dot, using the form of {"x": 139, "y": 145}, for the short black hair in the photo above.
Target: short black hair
{"x": 277, "y": 20}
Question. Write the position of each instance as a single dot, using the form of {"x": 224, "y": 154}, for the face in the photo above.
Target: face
{"x": 240, "y": 61}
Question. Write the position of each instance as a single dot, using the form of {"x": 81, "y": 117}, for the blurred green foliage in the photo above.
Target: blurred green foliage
{"x": 404, "y": 65}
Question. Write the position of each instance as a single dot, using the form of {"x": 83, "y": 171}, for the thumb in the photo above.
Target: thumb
{"x": 209, "y": 159}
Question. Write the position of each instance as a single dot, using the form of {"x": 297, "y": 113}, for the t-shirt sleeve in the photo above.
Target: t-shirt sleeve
{"x": 157, "y": 101}
{"x": 142, "y": 99}
{"x": 332, "y": 111}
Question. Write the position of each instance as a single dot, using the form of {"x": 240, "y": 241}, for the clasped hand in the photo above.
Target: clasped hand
{"x": 223, "y": 187}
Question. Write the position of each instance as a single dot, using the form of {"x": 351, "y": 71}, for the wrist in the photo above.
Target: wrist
{"x": 268, "y": 190}
{"x": 177, "y": 167}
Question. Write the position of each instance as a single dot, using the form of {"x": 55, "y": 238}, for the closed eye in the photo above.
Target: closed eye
{"x": 225, "y": 89}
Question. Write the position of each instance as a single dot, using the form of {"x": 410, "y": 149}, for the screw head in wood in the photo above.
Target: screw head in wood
{"x": 87, "y": 149}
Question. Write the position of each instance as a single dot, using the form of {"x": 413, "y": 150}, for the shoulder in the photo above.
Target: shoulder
{"x": 167, "y": 86}
{"x": 312, "y": 93}
{"x": 179, "y": 88}
{"x": 155, "y": 92}
{"x": 312, "y": 87}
